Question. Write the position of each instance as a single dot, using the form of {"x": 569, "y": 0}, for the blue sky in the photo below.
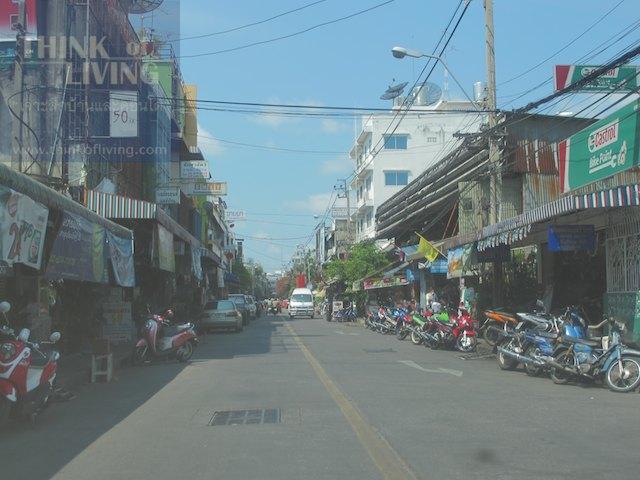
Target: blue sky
{"x": 349, "y": 64}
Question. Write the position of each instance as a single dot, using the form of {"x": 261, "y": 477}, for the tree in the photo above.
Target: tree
{"x": 243, "y": 274}
{"x": 363, "y": 259}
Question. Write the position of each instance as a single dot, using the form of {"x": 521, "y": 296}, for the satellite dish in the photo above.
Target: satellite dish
{"x": 143, "y": 6}
{"x": 426, "y": 94}
{"x": 394, "y": 91}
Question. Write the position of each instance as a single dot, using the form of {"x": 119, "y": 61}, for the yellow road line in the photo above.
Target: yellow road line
{"x": 389, "y": 463}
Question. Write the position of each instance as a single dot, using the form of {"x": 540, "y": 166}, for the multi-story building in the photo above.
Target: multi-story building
{"x": 388, "y": 158}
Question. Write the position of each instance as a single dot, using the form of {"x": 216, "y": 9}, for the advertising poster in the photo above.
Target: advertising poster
{"x": 78, "y": 251}
{"x": 121, "y": 254}
{"x": 459, "y": 261}
{"x": 166, "y": 254}
{"x": 23, "y": 224}
{"x": 117, "y": 316}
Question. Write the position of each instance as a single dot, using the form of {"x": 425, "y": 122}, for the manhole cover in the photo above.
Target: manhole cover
{"x": 245, "y": 417}
{"x": 379, "y": 350}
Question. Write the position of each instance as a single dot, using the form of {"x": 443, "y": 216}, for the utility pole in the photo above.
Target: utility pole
{"x": 18, "y": 85}
{"x": 345, "y": 194}
{"x": 495, "y": 182}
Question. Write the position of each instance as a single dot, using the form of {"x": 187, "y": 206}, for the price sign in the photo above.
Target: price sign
{"x": 123, "y": 113}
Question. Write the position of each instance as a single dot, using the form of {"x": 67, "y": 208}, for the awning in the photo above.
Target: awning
{"x": 393, "y": 271}
{"x": 517, "y": 228}
{"x": 49, "y": 197}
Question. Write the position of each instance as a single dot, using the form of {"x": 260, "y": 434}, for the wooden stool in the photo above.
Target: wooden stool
{"x": 102, "y": 366}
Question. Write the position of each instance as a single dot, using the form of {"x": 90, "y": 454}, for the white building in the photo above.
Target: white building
{"x": 385, "y": 162}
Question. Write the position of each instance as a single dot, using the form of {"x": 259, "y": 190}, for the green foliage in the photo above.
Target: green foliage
{"x": 363, "y": 259}
{"x": 243, "y": 274}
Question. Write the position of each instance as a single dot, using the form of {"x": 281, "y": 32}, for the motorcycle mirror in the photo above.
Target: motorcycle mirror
{"x": 55, "y": 337}
{"x": 24, "y": 335}
{"x": 5, "y": 307}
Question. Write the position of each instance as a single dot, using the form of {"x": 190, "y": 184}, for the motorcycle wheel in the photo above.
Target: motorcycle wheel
{"x": 560, "y": 377}
{"x": 490, "y": 333}
{"x": 506, "y": 363}
{"x": 5, "y": 410}
{"x": 140, "y": 355}
{"x": 402, "y": 333}
{"x": 185, "y": 352}
{"x": 415, "y": 338}
{"x": 531, "y": 369}
{"x": 466, "y": 346}
{"x": 630, "y": 378}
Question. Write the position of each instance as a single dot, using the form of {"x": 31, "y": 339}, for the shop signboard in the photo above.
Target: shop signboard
{"x": 438, "y": 266}
{"x": 194, "y": 170}
{"x": 166, "y": 254}
{"x": 205, "y": 188}
{"x": 601, "y": 150}
{"x": 396, "y": 281}
{"x": 167, "y": 196}
{"x": 235, "y": 215}
{"x": 9, "y": 15}
{"x": 78, "y": 251}
{"x": 121, "y": 254}
{"x": 23, "y": 224}
{"x": 459, "y": 261}
{"x": 571, "y": 238}
{"x": 621, "y": 79}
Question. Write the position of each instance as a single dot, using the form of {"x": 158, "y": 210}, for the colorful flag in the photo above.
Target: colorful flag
{"x": 427, "y": 249}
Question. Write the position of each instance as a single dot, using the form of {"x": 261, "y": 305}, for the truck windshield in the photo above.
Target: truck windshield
{"x": 301, "y": 297}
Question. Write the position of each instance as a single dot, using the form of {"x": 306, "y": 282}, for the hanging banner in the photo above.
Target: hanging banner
{"x": 572, "y": 238}
{"x": 78, "y": 251}
{"x": 621, "y": 79}
{"x": 23, "y": 224}
{"x": 459, "y": 261}
{"x": 196, "y": 262}
{"x": 121, "y": 254}
{"x": 601, "y": 150}
{"x": 123, "y": 111}
{"x": 166, "y": 254}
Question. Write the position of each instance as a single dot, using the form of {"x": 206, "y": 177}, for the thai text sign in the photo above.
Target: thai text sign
{"x": 209, "y": 188}
{"x": 167, "y": 195}
{"x": 23, "y": 224}
{"x": 78, "y": 251}
{"x": 621, "y": 79}
{"x": 601, "y": 150}
{"x": 235, "y": 215}
{"x": 194, "y": 170}
{"x": 570, "y": 238}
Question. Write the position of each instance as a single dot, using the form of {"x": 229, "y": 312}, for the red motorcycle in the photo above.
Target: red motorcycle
{"x": 458, "y": 332}
{"x": 26, "y": 383}
{"x": 160, "y": 339}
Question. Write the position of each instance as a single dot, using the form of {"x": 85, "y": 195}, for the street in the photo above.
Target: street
{"x": 349, "y": 403}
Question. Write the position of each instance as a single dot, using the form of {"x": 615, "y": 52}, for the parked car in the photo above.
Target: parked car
{"x": 242, "y": 305}
{"x": 221, "y": 314}
{"x": 301, "y": 303}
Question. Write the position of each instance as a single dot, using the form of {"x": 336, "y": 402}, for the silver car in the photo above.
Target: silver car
{"x": 222, "y": 314}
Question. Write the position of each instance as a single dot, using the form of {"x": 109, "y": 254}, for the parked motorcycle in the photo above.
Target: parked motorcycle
{"x": 160, "y": 339}
{"x": 578, "y": 359}
{"x": 494, "y": 323}
{"x": 534, "y": 339}
{"x": 26, "y": 383}
{"x": 379, "y": 321}
{"x": 458, "y": 333}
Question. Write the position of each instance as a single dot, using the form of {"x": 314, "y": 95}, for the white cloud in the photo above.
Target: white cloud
{"x": 210, "y": 146}
{"x": 277, "y": 121}
{"x": 315, "y": 203}
{"x": 333, "y": 126}
{"x": 335, "y": 166}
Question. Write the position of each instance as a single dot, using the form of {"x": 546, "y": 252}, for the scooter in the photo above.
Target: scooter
{"x": 160, "y": 339}
{"x": 26, "y": 384}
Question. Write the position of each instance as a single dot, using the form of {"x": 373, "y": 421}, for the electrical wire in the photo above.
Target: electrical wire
{"x": 248, "y": 25}
{"x": 290, "y": 35}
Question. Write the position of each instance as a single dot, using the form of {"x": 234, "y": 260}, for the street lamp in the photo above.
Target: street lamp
{"x": 401, "y": 52}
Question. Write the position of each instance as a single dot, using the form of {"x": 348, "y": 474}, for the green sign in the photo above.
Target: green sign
{"x": 605, "y": 148}
{"x": 621, "y": 79}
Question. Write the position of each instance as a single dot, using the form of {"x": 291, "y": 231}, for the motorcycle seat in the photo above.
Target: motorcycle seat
{"x": 173, "y": 330}
{"x": 582, "y": 341}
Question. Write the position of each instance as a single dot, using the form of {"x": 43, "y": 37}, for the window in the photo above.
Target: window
{"x": 396, "y": 177}
{"x": 395, "y": 142}
{"x": 220, "y": 305}
{"x": 368, "y": 185}
{"x": 302, "y": 297}
{"x": 369, "y": 219}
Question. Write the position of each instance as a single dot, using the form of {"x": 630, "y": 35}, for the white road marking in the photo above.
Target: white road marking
{"x": 345, "y": 333}
{"x": 412, "y": 364}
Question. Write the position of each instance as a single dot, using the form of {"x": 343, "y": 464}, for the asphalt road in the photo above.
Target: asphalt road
{"x": 348, "y": 403}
